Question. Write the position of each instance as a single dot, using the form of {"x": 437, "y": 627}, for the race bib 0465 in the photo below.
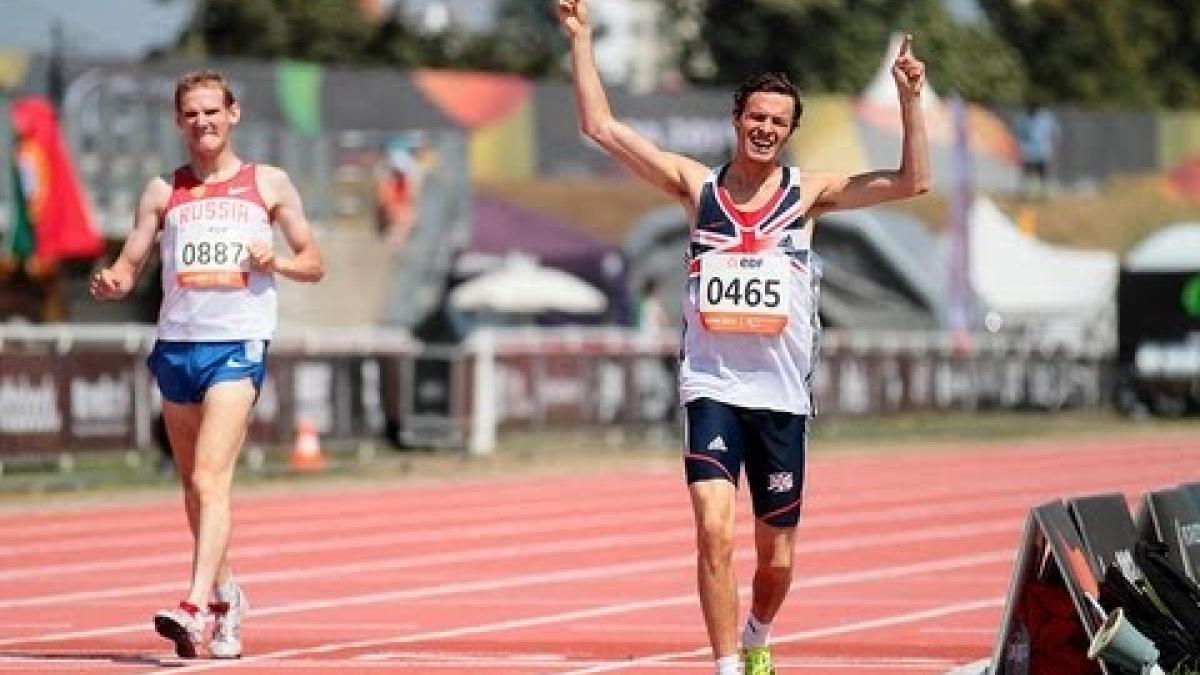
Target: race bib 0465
{"x": 745, "y": 292}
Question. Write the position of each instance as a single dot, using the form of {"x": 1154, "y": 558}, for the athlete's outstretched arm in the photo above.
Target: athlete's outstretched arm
{"x": 287, "y": 211}
{"x": 912, "y": 178}
{"x": 674, "y": 174}
{"x": 115, "y": 281}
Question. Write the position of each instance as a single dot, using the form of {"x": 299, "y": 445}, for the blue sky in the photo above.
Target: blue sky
{"x": 92, "y": 27}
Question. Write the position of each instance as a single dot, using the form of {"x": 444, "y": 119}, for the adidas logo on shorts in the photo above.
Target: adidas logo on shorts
{"x": 718, "y": 444}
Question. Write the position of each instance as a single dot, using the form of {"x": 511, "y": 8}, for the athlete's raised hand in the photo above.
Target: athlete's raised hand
{"x": 573, "y": 16}
{"x": 908, "y": 71}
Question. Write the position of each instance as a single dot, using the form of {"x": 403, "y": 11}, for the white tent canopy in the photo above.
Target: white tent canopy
{"x": 521, "y": 286}
{"x": 1029, "y": 282}
{"x": 1175, "y": 248}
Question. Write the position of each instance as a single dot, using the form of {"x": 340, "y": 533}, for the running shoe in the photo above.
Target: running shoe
{"x": 183, "y": 625}
{"x": 227, "y": 627}
{"x": 757, "y": 661}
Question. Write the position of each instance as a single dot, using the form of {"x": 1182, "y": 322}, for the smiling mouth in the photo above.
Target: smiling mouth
{"x": 762, "y": 143}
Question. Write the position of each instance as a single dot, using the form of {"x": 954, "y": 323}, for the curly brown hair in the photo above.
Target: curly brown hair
{"x": 774, "y": 82}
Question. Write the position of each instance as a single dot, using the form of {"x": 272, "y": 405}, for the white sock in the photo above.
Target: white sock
{"x": 226, "y": 592}
{"x": 729, "y": 665}
{"x": 756, "y": 633}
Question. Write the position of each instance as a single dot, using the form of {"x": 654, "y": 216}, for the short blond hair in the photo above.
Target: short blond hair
{"x": 202, "y": 78}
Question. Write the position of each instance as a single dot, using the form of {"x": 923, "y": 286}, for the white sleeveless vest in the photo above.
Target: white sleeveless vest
{"x": 771, "y": 372}
{"x": 210, "y": 292}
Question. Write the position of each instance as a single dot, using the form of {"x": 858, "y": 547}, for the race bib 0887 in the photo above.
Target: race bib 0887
{"x": 210, "y": 256}
{"x": 744, "y": 292}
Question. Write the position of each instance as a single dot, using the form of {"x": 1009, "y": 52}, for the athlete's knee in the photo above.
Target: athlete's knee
{"x": 714, "y": 541}
{"x": 207, "y": 486}
{"x": 777, "y": 568}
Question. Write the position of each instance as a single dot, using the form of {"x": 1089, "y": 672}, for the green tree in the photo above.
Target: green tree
{"x": 395, "y": 43}
{"x": 329, "y": 31}
{"x": 835, "y": 46}
{"x": 1175, "y": 67}
{"x": 527, "y": 39}
{"x": 1085, "y": 51}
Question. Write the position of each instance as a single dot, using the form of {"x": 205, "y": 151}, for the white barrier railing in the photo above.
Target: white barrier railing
{"x": 81, "y": 388}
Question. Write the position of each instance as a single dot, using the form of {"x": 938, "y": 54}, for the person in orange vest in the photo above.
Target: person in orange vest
{"x": 215, "y": 219}
{"x": 396, "y": 195}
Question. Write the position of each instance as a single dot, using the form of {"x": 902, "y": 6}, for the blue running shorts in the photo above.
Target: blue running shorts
{"x": 185, "y": 370}
{"x": 720, "y": 438}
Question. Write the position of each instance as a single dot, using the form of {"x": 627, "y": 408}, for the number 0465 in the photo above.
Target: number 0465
{"x": 743, "y": 292}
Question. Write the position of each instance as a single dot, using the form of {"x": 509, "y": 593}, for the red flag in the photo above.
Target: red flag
{"x": 54, "y": 200}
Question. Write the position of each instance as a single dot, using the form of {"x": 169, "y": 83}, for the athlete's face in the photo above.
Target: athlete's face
{"x": 205, "y": 120}
{"x": 764, "y": 125}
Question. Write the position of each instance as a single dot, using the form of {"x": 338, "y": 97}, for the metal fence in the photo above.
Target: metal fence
{"x": 84, "y": 389}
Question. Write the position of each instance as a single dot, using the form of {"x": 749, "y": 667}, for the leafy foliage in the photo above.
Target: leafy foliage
{"x": 1115, "y": 52}
{"x": 837, "y": 45}
{"x": 1133, "y": 53}
{"x": 329, "y": 31}
{"x": 525, "y": 41}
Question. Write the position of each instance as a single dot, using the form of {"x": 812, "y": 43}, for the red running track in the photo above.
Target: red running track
{"x": 903, "y": 563}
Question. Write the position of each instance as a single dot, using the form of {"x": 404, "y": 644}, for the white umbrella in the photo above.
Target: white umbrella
{"x": 521, "y": 286}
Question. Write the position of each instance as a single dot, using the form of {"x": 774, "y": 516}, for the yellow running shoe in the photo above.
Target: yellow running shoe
{"x": 757, "y": 661}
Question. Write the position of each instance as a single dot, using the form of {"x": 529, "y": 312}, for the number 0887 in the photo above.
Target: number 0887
{"x": 212, "y": 253}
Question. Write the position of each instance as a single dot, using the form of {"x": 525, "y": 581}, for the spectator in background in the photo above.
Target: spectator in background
{"x": 652, "y": 315}
{"x": 655, "y": 377}
{"x": 1038, "y": 134}
{"x": 396, "y": 194}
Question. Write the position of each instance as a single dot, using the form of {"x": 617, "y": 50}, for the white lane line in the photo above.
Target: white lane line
{"x": 517, "y": 551}
{"x": 861, "y": 576}
{"x": 397, "y": 536}
{"x": 271, "y": 535}
{"x": 393, "y": 536}
{"x": 335, "y": 516}
{"x": 811, "y": 634}
{"x": 309, "y": 524}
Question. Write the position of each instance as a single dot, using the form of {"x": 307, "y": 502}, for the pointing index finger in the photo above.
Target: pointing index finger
{"x": 905, "y": 43}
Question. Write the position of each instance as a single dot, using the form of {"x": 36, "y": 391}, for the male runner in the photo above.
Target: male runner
{"x": 750, "y": 318}
{"x": 213, "y": 218}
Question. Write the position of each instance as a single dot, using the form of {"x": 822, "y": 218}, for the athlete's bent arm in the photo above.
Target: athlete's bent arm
{"x": 912, "y": 177}
{"x": 675, "y": 175}
{"x": 116, "y": 281}
{"x": 287, "y": 211}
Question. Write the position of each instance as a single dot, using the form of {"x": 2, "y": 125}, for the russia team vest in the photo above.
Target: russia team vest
{"x": 750, "y": 304}
{"x": 210, "y": 291}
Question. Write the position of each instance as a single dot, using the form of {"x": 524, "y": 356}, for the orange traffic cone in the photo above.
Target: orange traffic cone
{"x": 306, "y": 453}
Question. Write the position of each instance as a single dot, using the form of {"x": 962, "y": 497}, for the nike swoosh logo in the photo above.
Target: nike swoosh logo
{"x": 237, "y": 190}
